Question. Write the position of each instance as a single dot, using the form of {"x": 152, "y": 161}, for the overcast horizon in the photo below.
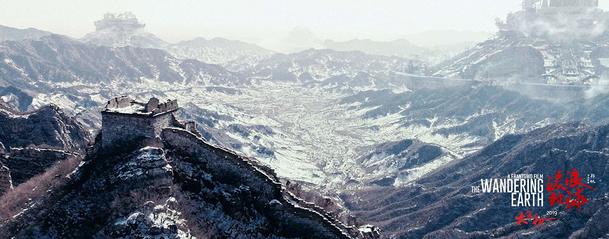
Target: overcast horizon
{"x": 267, "y": 22}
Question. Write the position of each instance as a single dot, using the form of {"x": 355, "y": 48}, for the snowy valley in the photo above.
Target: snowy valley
{"x": 347, "y": 125}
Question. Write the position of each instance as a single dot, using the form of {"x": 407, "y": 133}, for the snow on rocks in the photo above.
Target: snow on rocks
{"x": 153, "y": 221}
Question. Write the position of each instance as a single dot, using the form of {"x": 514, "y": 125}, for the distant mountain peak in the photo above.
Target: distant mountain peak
{"x": 398, "y": 47}
{"x": 217, "y": 50}
{"x": 16, "y": 34}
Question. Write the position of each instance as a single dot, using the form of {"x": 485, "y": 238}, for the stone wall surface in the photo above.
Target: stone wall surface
{"x": 162, "y": 121}
{"x": 118, "y": 128}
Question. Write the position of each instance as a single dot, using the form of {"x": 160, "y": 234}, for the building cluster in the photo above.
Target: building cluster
{"x": 557, "y": 19}
{"x": 126, "y": 21}
{"x": 538, "y": 4}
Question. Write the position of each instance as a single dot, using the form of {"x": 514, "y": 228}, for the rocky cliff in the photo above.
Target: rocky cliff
{"x": 48, "y": 126}
{"x": 32, "y": 142}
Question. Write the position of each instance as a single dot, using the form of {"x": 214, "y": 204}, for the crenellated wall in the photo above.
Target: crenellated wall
{"x": 249, "y": 172}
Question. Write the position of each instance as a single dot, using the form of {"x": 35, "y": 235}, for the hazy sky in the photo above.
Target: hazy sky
{"x": 261, "y": 20}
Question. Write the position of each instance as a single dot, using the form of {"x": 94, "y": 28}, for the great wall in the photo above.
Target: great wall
{"x": 124, "y": 120}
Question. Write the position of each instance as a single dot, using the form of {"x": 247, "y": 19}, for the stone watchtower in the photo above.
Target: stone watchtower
{"x": 126, "y": 120}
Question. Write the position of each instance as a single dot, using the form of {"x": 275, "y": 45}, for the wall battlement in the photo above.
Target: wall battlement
{"x": 126, "y": 105}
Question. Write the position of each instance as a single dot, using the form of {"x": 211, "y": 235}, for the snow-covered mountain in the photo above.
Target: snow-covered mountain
{"x": 442, "y": 204}
{"x": 59, "y": 59}
{"x": 377, "y": 133}
{"x": 331, "y": 120}
{"x": 15, "y": 34}
{"x": 386, "y": 162}
{"x": 218, "y": 50}
{"x": 32, "y": 142}
{"x": 516, "y": 58}
{"x": 345, "y": 70}
{"x": 48, "y": 126}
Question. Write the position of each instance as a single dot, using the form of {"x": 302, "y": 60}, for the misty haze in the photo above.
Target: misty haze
{"x": 312, "y": 119}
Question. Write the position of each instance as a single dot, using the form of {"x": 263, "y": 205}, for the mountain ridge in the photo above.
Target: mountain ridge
{"x": 198, "y": 189}
{"x": 444, "y": 196}
{"x": 15, "y": 34}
